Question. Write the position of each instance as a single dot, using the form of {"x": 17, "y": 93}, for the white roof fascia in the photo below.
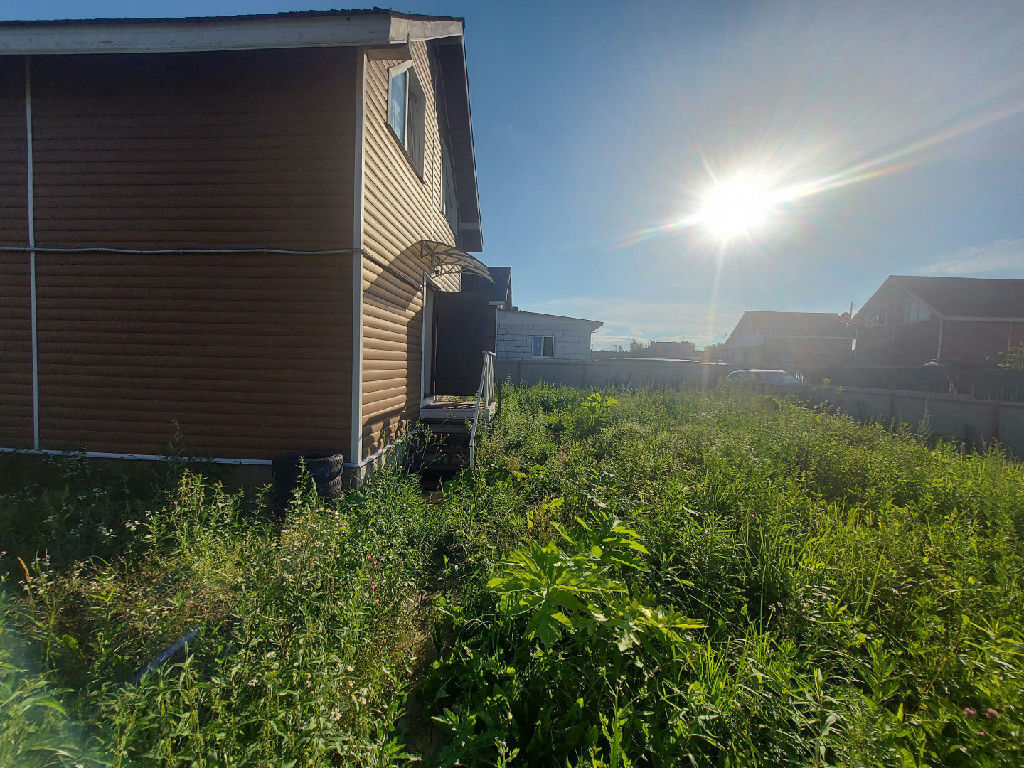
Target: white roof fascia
{"x": 217, "y": 34}
{"x": 472, "y": 147}
{"x": 595, "y": 323}
{"x": 404, "y": 30}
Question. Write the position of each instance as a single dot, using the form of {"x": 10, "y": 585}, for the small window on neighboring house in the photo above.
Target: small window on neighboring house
{"x": 543, "y": 346}
{"x": 878, "y": 318}
{"x": 406, "y": 113}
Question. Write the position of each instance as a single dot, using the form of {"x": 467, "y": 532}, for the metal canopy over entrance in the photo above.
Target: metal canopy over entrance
{"x": 446, "y": 259}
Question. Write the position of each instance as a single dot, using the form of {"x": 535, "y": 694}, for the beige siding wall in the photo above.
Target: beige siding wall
{"x": 400, "y": 209}
{"x": 248, "y": 354}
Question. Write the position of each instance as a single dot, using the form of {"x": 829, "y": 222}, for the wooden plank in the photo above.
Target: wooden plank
{"x": 217, "y": 398}
{"x": 194, "y": 438}
{"x": 329, "y": 194}
{"x": 189, "y": 377}
{"x": 133, "y": 415}
{"x": 387, "y": 387}
{"x": 245, "y": 268}
{"x": 243, "y": 361}
{"x": 121, "y": 291}
{"x": 309, "y": 182}
{"x": 370, "y": 355}
{"x": 309, "y": 214}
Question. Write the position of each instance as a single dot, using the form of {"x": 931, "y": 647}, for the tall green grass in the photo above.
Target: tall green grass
{"x": 628, "y": 578}
{"x": 859, "y": 593}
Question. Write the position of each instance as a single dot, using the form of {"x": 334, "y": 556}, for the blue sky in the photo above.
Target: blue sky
{"x": 598, "y": 123}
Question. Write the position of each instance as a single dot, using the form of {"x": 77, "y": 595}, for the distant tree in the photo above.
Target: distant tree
{"x": 1013, "y": 358}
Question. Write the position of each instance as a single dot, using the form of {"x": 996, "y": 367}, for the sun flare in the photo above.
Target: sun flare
{"x": 735, "y": 207}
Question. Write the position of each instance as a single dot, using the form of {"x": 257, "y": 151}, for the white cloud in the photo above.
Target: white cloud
{"x": 1005, "y": 257}
{"x": 627, "y": 318}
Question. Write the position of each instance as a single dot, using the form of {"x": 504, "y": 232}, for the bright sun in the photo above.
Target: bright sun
{"x": 736, "y": 207}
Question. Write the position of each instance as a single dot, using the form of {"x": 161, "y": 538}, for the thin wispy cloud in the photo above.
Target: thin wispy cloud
{"x": 1002, "y": 258}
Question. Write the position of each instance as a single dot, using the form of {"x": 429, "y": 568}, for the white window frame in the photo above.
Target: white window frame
{"x": 411, "y": 136}
{"x": 533, "y": 347}
{"x": 916, "y": 312}
{"x": 449, "y": 188}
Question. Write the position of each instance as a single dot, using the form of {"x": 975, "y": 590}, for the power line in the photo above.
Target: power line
{"x": 987, "y": 249}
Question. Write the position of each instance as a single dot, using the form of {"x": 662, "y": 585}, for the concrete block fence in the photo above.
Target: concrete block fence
{"x": 961, "y": 417}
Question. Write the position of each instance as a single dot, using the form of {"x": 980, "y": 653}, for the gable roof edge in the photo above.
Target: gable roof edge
{"x": 451, "y": 57}
{"x": 307, "y": 29}
{"x": 918, "y": 297}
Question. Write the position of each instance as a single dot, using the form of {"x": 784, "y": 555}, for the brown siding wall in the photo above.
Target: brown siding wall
{"x": 15, "y": 313}
{"x": 400, "y": 209}
{"x": 980, "y": 344}
{"x": 195, "y": 150}
{"x": 968, "y": 343}
{"x": 245, "y": 353}
{"x": 250, "y": 354}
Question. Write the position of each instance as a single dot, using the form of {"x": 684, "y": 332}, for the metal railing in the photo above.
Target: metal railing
{"x": 485, "y": 398}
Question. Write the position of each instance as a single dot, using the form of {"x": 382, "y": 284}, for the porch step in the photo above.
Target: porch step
{"x": 445, "y": 469}
{"x": 448, "y": 424}
{"x": 443, "y": 451}
{"x": 445, "y": 427}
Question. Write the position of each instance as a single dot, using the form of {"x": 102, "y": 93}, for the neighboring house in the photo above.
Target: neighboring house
{"x": 228, "y": 231}
{"x": 482, "y": 318}
{"x": 535, "y": 336}
{"x": 788, "y": 340}
{"x": 672, "y": 350}
{"x": 959, "y": 320}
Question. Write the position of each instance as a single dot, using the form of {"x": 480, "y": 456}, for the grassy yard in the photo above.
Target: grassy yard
{"x": 639, "y": 579}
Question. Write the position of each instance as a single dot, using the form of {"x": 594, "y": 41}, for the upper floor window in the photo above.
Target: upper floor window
{"x": 406, "y": 112}
{"x": 916, "y": 312}
{"x": 449, "y": 198}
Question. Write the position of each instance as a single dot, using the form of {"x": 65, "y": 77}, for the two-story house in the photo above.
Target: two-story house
{"x": 964, "y": 321}
{"x": 228, "y": 231}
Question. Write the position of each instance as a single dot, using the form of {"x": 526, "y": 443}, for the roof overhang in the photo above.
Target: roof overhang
{"x": 962, "y": 318}
{"x": 592, "y": 324}
{"x": 308, "y": 29}
{"x": 897, "y": 282}
{"x": 451, "y": 59}
{"x": 446, "y": 259}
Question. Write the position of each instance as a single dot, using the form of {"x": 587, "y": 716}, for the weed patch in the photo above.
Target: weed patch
{"x": 628, "y": 578}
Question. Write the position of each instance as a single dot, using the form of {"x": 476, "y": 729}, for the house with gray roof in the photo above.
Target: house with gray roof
{"x": 963, "y": 321}
{"x": 788, "y": 340}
